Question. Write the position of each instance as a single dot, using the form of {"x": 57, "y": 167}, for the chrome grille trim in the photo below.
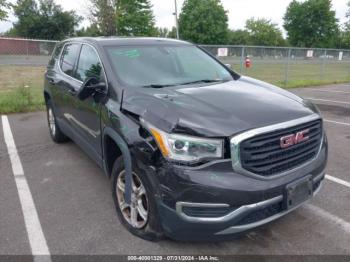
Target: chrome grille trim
{"x": 236, "y": 141}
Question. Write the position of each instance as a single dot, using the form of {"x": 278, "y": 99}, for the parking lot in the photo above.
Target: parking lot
{"x": 67, "y": 207}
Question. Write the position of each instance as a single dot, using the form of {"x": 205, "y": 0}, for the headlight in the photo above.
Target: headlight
{"x": 186, "y": 148}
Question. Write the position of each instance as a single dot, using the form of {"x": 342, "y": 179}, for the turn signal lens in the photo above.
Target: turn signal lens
{"x": 158, "y": 137}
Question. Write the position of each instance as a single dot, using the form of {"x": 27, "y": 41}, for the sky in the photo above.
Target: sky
{"x": 238, "y": 11}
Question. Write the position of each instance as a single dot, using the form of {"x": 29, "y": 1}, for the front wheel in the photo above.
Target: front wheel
{"x": 140, "y": 216}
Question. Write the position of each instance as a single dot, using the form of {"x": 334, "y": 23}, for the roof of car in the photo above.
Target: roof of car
{"x": 105, "y": 41}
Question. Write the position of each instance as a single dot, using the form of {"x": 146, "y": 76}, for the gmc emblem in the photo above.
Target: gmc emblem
{"x": 292, "y": 140}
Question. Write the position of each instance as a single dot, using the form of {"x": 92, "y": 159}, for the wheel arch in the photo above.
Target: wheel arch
{"x": 114, "y": 146}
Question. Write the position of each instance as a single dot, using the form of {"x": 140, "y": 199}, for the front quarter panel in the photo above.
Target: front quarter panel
{"x": 126, "y": 133}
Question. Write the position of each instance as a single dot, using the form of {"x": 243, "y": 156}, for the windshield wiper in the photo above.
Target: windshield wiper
{"x": 156, "y": 86}
{"x": 186, "y": 83}
{"x": 203, "y": 81}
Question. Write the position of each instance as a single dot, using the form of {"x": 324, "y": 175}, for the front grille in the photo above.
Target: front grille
{"x": 263, "y": 155}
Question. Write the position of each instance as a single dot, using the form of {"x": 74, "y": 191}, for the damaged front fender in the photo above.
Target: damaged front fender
{"x": 130, "y": 139}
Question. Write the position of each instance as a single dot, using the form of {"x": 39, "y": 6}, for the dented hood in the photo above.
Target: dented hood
{"x": 216, "y": 110}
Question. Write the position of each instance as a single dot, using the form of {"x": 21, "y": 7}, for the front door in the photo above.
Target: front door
{"x": 84, "y": 115}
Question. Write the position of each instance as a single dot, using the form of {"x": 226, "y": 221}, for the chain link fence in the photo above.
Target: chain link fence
{"x": 23, "y": 63}
{"x": 20, "y": 59}
{"x": 22, "y": 66}
{"x": 287, "y": 67}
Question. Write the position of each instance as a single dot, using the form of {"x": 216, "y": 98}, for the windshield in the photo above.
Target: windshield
{"x": 160, "y": 66}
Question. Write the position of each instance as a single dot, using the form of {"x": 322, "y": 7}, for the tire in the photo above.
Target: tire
{"x": 55, "y": 132}
{"x": 148, "y": 228}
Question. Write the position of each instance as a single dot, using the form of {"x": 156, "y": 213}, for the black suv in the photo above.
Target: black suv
{"x": 194, "y": 150}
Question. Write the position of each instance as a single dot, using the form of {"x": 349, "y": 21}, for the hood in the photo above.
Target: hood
{"x": 216, "y": 110}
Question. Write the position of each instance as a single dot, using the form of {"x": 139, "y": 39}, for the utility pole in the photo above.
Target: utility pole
{"x": 176, "y": 21}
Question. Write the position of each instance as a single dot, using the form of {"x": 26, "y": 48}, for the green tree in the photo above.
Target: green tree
{"x": 103, "y": 15}
{"x": 345, "y": 34}
{"x": 46, "y": 20}
{"x": 28, "y": 18}
{"x": 344, "y": 39}
{"x": 238, "y": 37}
{"x": 162, "y": 32}
{"x": 311, "y": 23}
{"x": 172, "y": 33}
{"x": 264, "y": 33}
{"x": 135, "y": 18}
{"x": 203, "y": 22}
{"x": 165, "y": 32}
{"x": 91, "y": 31}
{"x": 4, "y": 5}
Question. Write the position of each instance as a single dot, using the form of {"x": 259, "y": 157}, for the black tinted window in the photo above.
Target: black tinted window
{"x": 69, "y": 56}
{"x": 55, "y": 54}
{"x": 89, "y": 64}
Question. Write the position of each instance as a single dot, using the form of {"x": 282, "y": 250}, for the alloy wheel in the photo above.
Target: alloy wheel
{"x": 136, "y": 214}
{"x": 52, "y": 122}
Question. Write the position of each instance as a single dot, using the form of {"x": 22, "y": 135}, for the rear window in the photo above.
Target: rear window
{"x": 69, "y": 57}
{"x": 55, "y": 55}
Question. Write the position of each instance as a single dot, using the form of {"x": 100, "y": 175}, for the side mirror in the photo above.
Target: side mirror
{"x": 90, "y": 86}
{"x": 229, "y": 66}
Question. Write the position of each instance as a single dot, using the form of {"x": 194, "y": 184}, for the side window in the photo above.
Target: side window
{"x": 89, "y": 64}
{"x": 69, "y": 56}
{"x": 55, "y": 55}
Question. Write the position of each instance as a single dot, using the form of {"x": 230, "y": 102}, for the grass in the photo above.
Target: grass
{"x": 18, "y": 76}
{"x": 299, "y": 73}
{"x": 21, "y": 87}
{"x": 21, "y": 99}
{"x": 310, "y": 83}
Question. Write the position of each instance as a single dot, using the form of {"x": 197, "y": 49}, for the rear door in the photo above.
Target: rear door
{"x": 52, "y": 75}
{"x": 66, "y": 84}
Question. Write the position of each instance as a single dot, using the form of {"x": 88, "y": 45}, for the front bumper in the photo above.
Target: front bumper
{"x": 245, "y": 202}
{"x": 186, "y": 195}
{"x": 178, "y": 225}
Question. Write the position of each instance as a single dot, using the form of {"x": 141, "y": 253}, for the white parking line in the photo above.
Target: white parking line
{"x": 338, "y": 180}
{"x": 336, "y": 122}
{"x": 35, "y": 233}
{"x": 329, "y": 91}
{"x": 326, "y": 100}
{"x": 345, "y": 225}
